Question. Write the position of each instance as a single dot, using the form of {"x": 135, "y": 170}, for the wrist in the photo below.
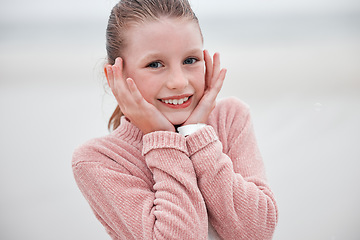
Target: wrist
{"x": 190, "y": 128}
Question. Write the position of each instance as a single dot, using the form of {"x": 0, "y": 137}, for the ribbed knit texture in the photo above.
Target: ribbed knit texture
{"x": 163, "y": 185}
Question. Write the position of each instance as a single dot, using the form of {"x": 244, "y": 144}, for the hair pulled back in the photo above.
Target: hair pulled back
{"x": 129, "y": 12}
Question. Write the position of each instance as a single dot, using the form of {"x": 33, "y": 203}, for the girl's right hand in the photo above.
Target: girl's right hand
{"x": 132, "y": 104}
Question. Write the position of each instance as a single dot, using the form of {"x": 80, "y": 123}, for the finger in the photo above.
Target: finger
{"x": 216, "y": 68}
{"x": 215, "y": 89}
{"x": 119, "y": 82}
{"x": 209, "y": 68}
{"x": 219, "y": 82}
{"x": 137, "y": 97}
{"x": 125, "y": 97}
{"x": 118, "y": 67}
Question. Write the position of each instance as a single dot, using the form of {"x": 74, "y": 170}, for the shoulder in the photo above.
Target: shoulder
{"x": 91, "y": 151}
{"x": 106, "y": 150}
{"x": 229, "y": 110}
{"x": 233, "y": 103}
{"x": 229, "y": 118}
{"x": 98, "y": 159}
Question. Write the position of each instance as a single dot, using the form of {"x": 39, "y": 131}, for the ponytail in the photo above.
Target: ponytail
{"x": 114, "y": 121}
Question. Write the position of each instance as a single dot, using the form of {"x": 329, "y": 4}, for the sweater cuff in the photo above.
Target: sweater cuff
{"x": 164, "y": 139}
{"x": 201, "y": 139}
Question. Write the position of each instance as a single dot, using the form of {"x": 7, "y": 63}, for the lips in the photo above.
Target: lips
{"x": 177, "y": 101}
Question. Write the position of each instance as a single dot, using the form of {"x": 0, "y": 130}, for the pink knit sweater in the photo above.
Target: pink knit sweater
{"x": 163, "y": 185}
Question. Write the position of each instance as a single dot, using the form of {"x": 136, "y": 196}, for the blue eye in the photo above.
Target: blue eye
{"x": 155, "y": 65}
{"x": 190, "y": 61}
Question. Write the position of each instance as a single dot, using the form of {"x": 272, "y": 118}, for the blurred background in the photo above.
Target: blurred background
{"x": 296, "y": 63}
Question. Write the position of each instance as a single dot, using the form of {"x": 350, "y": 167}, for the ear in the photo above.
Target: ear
{"x": 106, "y": 73}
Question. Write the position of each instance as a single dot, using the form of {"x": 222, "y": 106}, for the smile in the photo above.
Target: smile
{"x": 175, "y": 101}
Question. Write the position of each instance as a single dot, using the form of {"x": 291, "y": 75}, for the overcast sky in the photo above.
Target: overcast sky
{"x": 35, "y": 10}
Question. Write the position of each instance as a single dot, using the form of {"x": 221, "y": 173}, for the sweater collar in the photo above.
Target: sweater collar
{"x": 128, "y": 132}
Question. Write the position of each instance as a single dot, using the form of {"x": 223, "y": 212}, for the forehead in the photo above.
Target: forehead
{"x": 163, "y": 22}
{"x": 163, "y": 33}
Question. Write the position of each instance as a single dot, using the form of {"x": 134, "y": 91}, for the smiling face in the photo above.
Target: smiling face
{"x": 165, "y": 59}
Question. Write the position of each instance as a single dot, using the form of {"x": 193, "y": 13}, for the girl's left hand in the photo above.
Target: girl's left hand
{"x": 214, "y": 78}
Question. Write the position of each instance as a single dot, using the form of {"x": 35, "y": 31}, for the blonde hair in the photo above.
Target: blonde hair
{"x": 129, "y": 12}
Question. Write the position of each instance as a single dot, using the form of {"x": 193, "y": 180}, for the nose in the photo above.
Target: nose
{"x": 177, "y": 79}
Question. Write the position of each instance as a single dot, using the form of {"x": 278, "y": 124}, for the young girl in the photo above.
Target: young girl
{"x": 178, "y": 165}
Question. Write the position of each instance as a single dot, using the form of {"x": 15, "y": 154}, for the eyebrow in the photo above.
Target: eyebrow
{"x": 195, "y": 51}
{"x": 150, "y": 57}
{"x": 155, "y": 55}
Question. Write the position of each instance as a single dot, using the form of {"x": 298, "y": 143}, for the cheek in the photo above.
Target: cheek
{"x": 147, "y": 88}
{"x": 199, "y": 83}
{"x": 144, "y": 83}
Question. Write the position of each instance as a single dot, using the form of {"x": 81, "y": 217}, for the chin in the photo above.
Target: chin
{"x": 178, "y": 120}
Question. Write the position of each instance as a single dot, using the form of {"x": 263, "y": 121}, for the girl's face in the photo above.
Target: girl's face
{"x": 165, "y": 59}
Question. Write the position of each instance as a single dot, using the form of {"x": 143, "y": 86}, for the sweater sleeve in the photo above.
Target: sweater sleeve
{"x": 238, "y": 198}
{"x": 171, "y": 207}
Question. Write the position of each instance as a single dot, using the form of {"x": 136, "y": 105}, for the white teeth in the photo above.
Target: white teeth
{"x": 176, "y": 101}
